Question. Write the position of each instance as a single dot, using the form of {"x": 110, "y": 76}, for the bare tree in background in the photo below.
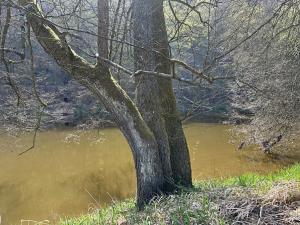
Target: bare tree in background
{"x": 266, "y": 70}
{"x": 256, "y": 44}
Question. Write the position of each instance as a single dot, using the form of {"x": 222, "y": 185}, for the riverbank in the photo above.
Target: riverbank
{"x": 247, "y": 199}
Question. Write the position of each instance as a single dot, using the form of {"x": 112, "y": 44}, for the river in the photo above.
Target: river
{"x": 69, "y": 173}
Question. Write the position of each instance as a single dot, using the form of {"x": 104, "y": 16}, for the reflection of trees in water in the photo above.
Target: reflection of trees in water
{"x": 107, "y": 186}
{"x": 101, "y": 186}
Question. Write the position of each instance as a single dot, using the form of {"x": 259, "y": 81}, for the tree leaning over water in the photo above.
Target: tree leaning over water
{"x": 98, "y": 79}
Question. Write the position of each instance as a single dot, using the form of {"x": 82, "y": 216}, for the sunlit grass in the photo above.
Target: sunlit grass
{"x": 109, "y": 215}
{"x": 289, "y": 174}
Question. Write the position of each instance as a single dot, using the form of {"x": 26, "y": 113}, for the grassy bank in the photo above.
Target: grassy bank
{"x": 248, "y": 199}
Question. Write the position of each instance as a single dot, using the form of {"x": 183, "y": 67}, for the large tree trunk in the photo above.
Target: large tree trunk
{"x": 99, "y": 81}
{"x": 147, "y": 87}
{"x": 180, "y": 159}
{"x": 151, "y": 34}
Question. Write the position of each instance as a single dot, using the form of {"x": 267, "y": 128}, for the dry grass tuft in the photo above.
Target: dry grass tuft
{"x": 280, "y": 206}
{"x": 284, "y": 192}
{"x": 295, "y": 216}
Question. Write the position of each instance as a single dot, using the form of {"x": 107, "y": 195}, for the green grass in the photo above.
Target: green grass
{"x": 109, "y": 215}
{"x": 190, "y": 207}
{"x": 291, "y": 173}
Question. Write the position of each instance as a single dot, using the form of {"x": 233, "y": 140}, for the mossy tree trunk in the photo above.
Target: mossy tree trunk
{"x": 147, "y": 86}
{"x": 150, "y": 33}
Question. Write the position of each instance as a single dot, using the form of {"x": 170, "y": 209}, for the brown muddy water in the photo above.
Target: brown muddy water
{"x": 70, "y": 173}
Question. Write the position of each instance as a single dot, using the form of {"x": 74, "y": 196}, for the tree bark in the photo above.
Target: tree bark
{"x": 99, "y": 81}
{"x": 147, "y": 87}
{"x": 103, "y": 25}
{"x": 180, "y": 158}
{"x": 151, "y": 34}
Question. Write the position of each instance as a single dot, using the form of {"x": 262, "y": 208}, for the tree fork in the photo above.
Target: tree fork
{"x": 99, "y": 81}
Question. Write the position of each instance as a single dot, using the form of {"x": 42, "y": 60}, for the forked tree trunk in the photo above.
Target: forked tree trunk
{"x": 99, "y": 81}
{"x": 147, "y": 86}
{"x": 151, "y": 34}
{"x": 150, "y": 181}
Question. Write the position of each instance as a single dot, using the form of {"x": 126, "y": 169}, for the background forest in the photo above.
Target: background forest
{"x": 251, "y": 47}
